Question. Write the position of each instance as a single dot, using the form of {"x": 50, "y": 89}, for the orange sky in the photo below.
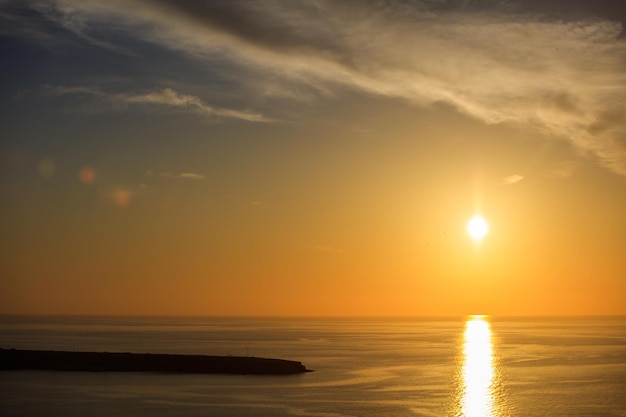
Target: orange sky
{"x": 238, "y": 175}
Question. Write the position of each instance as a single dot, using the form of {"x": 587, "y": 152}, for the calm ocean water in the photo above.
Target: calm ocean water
{"x": 471, "y": 367}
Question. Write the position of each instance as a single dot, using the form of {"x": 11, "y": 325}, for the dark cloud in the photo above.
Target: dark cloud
{"x": 613, "y": 10}
{"x": 275, "y": 25}
{"x": 554, "y": 66}
{"x": 562, "y": 101}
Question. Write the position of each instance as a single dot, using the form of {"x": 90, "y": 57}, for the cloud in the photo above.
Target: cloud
{"x": 512, "y": 179}
{"x": 178, "y": 175}
{"x": 169, "y": 97}
{"x": 560, "y": 74}
{"x": 165, "y": 98}
{"x": 183, "y": 175}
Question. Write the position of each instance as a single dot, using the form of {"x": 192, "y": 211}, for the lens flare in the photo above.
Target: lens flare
{"x": 87, "y": 175}
{"x": 122, "y": 197}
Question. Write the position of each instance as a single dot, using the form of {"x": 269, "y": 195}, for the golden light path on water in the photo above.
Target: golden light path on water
{"x": 477, "y": 385}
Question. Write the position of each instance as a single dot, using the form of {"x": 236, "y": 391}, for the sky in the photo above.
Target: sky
{"x": 313, "y": 157}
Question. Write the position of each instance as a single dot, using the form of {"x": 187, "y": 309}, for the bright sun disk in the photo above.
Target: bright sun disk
{"x": 477, "y": 228}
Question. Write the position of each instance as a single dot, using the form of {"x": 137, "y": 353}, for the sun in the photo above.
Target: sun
{"x": 477, "y": 228}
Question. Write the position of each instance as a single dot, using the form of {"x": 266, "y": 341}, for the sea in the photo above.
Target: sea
{"x": 475, "y": 366}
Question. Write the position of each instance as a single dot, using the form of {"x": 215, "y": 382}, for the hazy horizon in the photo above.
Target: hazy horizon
{"x": 313, "y": 317}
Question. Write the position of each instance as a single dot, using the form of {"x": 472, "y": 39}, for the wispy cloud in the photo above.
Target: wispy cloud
{"x": 512, "y": 179}
{"x": 169, "y": 97}
{"x": 563, "y": 77}
{"x": 166, "y": 98}
{"x": 183, "y": 175}
{"x": 178, "y": 175}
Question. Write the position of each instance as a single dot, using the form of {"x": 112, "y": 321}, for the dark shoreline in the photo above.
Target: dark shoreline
{"x": 17, "y": 359}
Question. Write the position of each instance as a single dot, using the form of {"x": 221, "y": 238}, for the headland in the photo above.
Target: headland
{"x": 17, "y": 359}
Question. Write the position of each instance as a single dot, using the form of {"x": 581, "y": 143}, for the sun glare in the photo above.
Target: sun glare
{"x": 478, "y": 378}
{"x": 477, "y": 228}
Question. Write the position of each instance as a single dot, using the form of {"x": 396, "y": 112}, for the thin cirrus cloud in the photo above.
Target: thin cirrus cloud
{"x": 512, "y": 179}
{"x": 183, "y": 175}
{"x": 178, "y": 175}
{"x": 166, "y": 98}
{"x": 561, "y": 75}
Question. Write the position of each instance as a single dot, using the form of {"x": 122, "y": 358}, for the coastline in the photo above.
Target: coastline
{"x": 18, "y": 359}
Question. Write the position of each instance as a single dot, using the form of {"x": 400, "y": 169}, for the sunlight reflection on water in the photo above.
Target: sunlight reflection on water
{"x": 476, "y": 393}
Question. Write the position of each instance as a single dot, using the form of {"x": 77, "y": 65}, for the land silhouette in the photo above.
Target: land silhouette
{"x": 17, "y": 359}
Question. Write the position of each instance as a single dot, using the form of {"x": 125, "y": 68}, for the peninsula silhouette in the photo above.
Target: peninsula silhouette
{"x": 17, "y": 359}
